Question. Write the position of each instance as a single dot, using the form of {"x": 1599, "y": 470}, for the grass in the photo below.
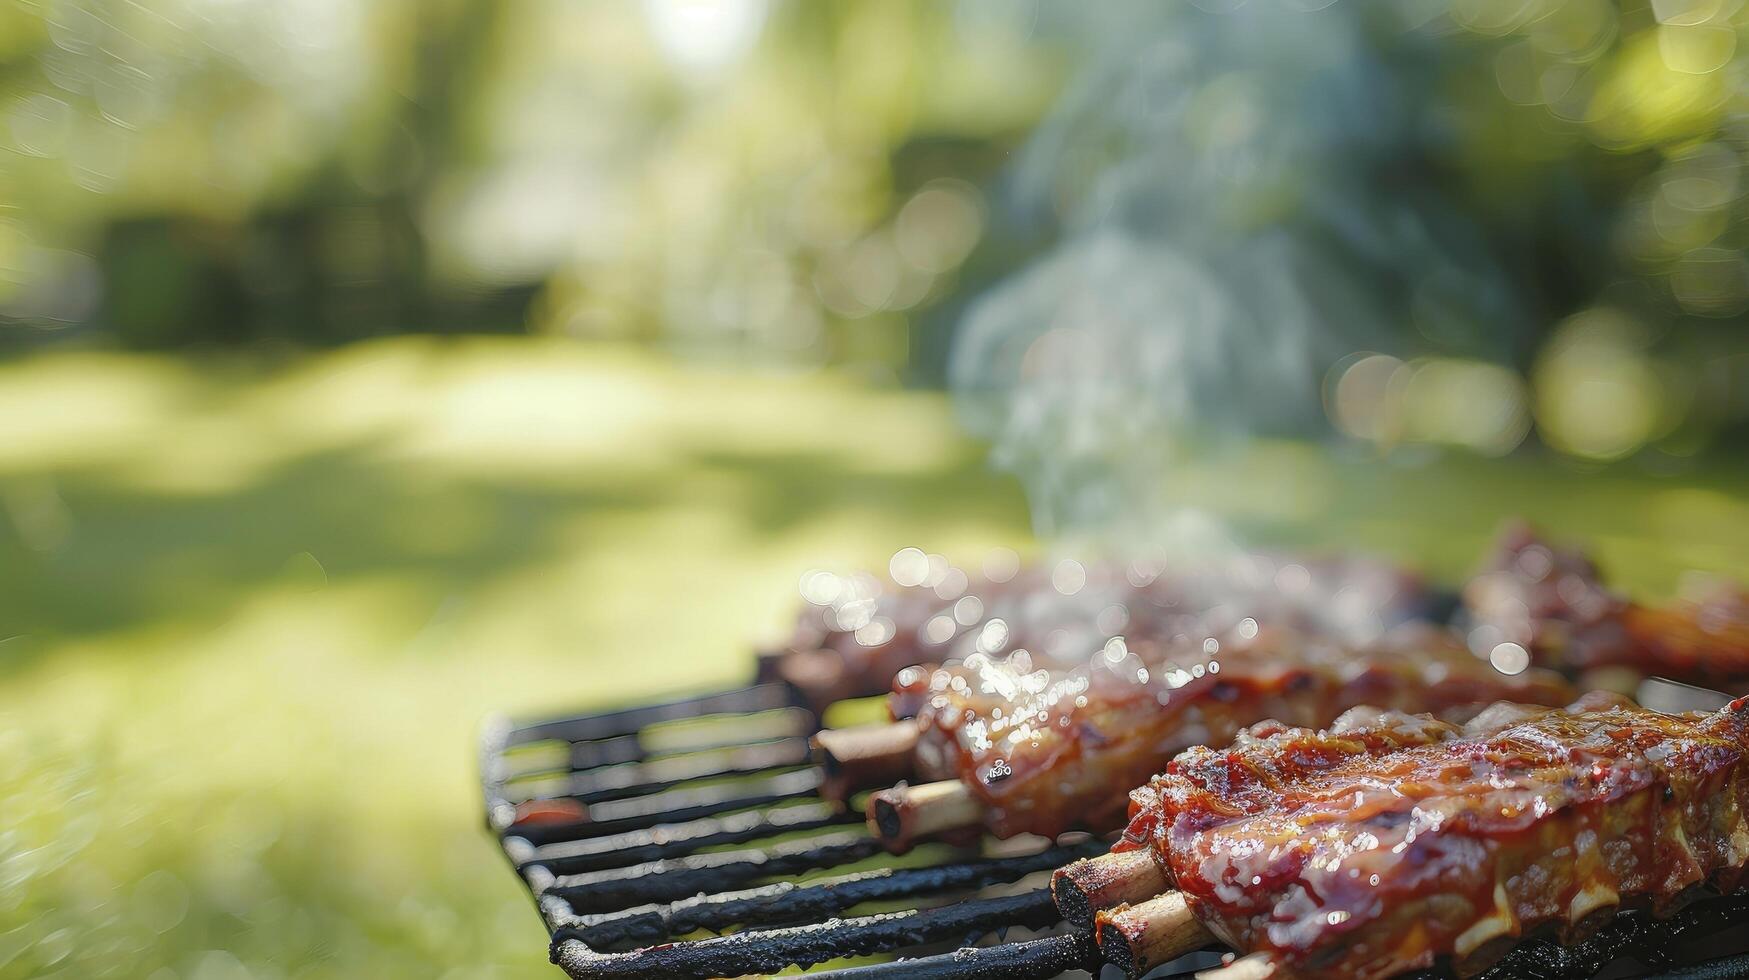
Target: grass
{"x": 250, "y": 616}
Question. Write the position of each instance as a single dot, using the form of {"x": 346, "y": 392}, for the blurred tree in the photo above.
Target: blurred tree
{"x": 803, "y": 183}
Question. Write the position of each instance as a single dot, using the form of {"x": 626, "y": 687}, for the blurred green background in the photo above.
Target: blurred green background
{"x": 369, "y": 367}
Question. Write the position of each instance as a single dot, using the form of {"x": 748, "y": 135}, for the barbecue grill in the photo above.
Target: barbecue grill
{"x": 690, "y": 838}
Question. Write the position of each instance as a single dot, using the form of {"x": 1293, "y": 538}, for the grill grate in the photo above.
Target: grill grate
{"x": 689, "y": 839}
{"x": 703, "y": 816}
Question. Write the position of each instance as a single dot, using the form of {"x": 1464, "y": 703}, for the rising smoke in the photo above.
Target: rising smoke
{"x": 1238, "y": 199}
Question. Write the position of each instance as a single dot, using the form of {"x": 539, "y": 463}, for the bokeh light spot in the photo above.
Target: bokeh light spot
{"x": 909, "y": 567}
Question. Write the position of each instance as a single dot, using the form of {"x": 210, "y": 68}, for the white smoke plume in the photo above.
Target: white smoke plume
{"x": 1239, "y": 199}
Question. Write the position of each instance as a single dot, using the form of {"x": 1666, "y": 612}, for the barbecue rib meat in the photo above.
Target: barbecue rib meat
{"x": 1052, "y": 750}
{"x": 1371, "y": 848}
{"x": 1552, "y": 601}
{"x": 857, "y": 631}
{"x": 865, "y": 629}
{"x": 1704, "y": 638}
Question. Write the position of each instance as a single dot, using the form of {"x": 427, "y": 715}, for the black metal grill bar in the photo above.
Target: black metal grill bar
{"x": 541, "y": 834}
{"x": 1029, "y": 960}
{"x": 640, "y": 778}
{"x": 764, "y": 697}
{"x": 766, "y": 951}
{"x": 668, "y": 807}
{"x": 1635, "y": 932}
{"x": 680, "y": 805}
{"x": 789, "y": 902}
{"x": 608, "y": 751}
{"x": 679, "y": 840}
{"x": 717, "y": 732}
{"x": 666, "y": 881}
{"x": 632, "y": 748}
{"x": 1724, "y": 968}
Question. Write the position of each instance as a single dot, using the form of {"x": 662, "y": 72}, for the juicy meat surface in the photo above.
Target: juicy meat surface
{"x": 1552, "y": 601}
{"x": 1051, "y": 750}
{"x": 865, "y": 629}
{"x": 855, "y": 632}
{"x": 1372, "y": 847}
{"x": 1703, "y": 638}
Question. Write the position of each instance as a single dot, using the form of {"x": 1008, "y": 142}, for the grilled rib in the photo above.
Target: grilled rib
{"x": 1703, "y": 638}
{"x": 1552, "y": 601}
{"x": 1043, "y": 751}
{"x": 1389, "y": 840}
{"x": 857, "y": 631}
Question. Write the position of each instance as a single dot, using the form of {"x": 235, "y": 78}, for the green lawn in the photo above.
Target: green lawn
{"x": 250, "y": 616}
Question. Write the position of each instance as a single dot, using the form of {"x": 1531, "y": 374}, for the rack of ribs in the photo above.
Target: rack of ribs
{"x": 1017, "y": 748}
{"x": 1389, "y": 841}
{"x": 856, "y": 631}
